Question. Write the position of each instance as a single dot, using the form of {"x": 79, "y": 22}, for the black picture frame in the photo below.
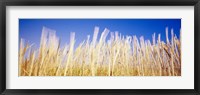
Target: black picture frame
{"x": 4, "y": 3}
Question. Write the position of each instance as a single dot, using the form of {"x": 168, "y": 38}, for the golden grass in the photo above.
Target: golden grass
{"x": 119, "y": 56}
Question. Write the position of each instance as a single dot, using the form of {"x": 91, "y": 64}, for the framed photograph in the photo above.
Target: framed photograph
{"x": 100, "y": 47}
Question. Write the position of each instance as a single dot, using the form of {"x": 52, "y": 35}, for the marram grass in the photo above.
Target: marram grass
{"x": 118, "y": 56}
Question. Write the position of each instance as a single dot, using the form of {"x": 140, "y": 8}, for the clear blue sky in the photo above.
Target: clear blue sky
{"x": 31, "y": 29}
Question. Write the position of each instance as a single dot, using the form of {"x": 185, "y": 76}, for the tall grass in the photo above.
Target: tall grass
{"x": 118, "y": 56}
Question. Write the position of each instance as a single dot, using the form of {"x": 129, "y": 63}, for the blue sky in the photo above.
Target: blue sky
{"x": 31, "y": 29}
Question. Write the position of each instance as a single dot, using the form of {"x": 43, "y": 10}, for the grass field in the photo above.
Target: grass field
{"x": 118, "y": 56}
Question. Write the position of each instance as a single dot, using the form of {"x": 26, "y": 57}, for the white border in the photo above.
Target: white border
{"x": 186, "y": 81}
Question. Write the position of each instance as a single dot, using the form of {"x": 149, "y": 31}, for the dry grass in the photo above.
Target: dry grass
{"x": 119, "y": 56}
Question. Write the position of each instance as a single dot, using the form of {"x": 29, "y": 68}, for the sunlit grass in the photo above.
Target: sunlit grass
{"x": 118, "y": 56}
